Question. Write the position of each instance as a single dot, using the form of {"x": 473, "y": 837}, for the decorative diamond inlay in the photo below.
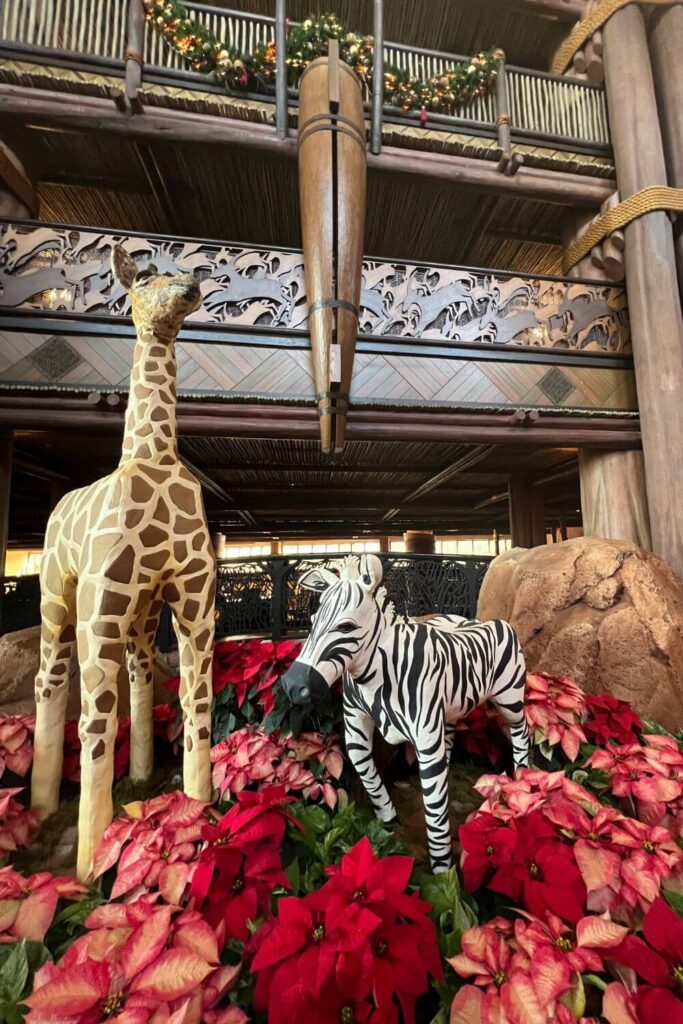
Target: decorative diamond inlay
{"x": 55, "y": 358}
{"x": 555, "y": 385}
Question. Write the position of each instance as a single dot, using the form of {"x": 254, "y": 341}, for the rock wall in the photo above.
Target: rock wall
{"x": 606, "y": 613}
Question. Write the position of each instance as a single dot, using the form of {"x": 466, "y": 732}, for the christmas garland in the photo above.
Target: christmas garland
{"x": 255, "y": 71}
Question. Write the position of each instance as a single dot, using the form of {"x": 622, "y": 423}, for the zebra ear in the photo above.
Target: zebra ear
{"x": 370, "y": 572}
{"x": 318, "y": 580}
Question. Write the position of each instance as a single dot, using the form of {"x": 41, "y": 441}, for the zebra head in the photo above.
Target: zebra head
{"x": 347, "y": 619}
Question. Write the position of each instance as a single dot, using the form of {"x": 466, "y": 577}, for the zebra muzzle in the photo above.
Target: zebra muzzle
{"x": 303, "y": 684}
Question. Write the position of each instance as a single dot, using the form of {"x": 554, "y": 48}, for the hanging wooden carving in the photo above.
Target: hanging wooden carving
{"x": 332, "y": 174}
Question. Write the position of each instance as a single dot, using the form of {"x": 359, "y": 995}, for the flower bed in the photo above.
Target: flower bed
{"x": 284, "y": 903}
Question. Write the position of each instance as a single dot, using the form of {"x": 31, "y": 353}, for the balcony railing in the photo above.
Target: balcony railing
{"x": 260, "y": 595}
{"x": 562, "y": 111}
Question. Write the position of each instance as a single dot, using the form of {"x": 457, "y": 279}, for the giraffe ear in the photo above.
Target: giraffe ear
{"x": 124, "y": 266}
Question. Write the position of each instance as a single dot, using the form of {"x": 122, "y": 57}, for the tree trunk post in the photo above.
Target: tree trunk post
{"x": 654, "y": 302}
{"x": 6, "y": 445}
{"x": 613, "y": 499}
{"x": 666, "y": 41}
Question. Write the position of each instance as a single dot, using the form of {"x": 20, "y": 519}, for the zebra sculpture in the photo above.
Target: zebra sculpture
{"x": 411, "y": 680}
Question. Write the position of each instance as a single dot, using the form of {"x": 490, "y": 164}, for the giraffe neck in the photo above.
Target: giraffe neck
{"x": 150, "y": 433}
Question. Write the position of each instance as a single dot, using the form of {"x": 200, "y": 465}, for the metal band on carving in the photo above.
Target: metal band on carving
{"x": 332, "y": 304}
{"x": 134, "y": 55}
{"x": 502, "y": 119}
{"x": 328, "y": 126}
{"x": 339, "y": 396}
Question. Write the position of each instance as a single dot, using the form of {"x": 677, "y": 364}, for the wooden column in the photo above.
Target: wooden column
{"x": 17, "y": 196}
{"x": 666, "y": 40}
{"x": 6, "y": 442}
{"x": 613, "y": 499}
{"x": 419, "y": 542}
{"x": 654, "y": 302}
{"x": 218, "y": 541}
{"x": 527, "y": 513}
{"x": 384, "y": 545}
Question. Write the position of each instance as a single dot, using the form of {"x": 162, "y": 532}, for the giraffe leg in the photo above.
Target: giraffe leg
{"x": 100, "y": 660}
{"x": 140, "y": 661}
{"x": 58, "y": 636}
{"x": 195, "y": 644}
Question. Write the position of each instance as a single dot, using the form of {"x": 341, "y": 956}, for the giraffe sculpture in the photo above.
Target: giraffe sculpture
{"x": 114, "y": 552}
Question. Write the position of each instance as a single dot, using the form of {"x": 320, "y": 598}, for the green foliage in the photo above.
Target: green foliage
{"x": 325, "y": 717}
{"x": 326, "y": 837}
{"x": 204, "y": 52}
{"x": 68, "y": 924}
{"x": 453, "y": 911}
{"x": 18, "y": 963}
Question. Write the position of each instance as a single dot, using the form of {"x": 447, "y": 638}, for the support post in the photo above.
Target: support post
{"x": 135, "y": 42}
{"x": 17, "y": 195}
{"x": 384, "y": 545}
{"x": 654, "y": 301}
{"x": 666, "y": 40}
{"x": 6, "y": 444}
{"x": 509, "y": 162}
{"x": 613, "y": 500}
{"x": 377, "y": 77}
{"x": 527, "y": 513}
{"x": 419, "y": 542}
{"x": 281, "y": 106}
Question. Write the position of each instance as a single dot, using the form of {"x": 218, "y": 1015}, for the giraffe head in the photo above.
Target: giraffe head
{"x": 160, "y": 302}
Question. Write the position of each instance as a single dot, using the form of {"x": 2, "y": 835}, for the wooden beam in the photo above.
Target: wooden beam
{"x": 559, "y": 10}
{"x": 264, "y": 421}
{"x": 44, "y": 108}
{"x": 469, "y": 459}
{"x": 6, "y": 445}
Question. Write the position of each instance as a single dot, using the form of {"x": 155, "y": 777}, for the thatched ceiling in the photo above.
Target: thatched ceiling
{"x": 214, "y": 192}
{"x": 292, "y": 490}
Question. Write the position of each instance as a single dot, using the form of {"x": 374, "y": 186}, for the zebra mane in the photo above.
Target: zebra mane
{"x": 350, "y": 569}
{"x": 387, "y": 606}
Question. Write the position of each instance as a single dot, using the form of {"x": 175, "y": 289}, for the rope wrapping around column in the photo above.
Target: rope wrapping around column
{"x": 647, "y": 200}
{"x": 585, "y": 28}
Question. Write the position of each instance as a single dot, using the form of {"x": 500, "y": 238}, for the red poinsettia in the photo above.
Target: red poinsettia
{"x": 658, "y": 960}
{"x": 486, "y": 843}
{"x": 71, "y": 765}
{"x": 155, "y": 844}
{"x": 168, "y": 722}
{"x": 481, "y": 733}
{"x": 357, "y": 948}
{"x": 252, "y": 665}
{"x": 610, "y": 720}
{"x": 16, "y": 746}
{"x": 240, "y": 865}
{"x": 17, "y": 825}
{"x": 27, "y": 905}
{"x": 138, "y": 962}
{"x": 541, "y": 874}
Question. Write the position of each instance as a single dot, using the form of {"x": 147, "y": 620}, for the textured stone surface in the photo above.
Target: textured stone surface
{"x": 606, "y": 613}
{"x": 19, "y": 660}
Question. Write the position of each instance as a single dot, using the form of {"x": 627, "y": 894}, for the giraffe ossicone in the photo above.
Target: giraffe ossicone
{"x": 114, "y": 552}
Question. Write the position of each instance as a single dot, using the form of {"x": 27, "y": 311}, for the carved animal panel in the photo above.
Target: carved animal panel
{"x": 57, "y": 268}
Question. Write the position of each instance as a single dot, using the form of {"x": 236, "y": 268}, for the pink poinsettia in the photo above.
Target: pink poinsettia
{"x": 647, "y": 776}
{"x": 138, "y": 962}
{"x": 554, "y": 707}
{"x": 16, "y": 743}
{"x": 17, "y": 825}
{"x": 250, "y": 757}
{"x": 27, "y": 905}
{"x": 155, "y": 845}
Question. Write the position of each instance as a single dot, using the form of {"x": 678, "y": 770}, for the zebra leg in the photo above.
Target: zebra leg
{"x": 433, "y": 763}
{"x": 359, "y": 729}
{"x": 450, "y": 740}
{"x": 511, "y": 706}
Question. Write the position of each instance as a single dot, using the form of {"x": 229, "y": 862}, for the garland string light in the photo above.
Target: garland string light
{"x": 204, "y": 52}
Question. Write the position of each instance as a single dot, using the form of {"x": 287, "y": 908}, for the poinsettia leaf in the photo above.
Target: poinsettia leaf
{"x": 675, "y": 900}
{"x": 172, "y": 975}
{"x": 293, "y": 873}
{"x": 14, "y": 974}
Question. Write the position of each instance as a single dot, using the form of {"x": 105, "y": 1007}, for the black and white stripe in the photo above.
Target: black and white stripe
{"x": 412, "y": 681}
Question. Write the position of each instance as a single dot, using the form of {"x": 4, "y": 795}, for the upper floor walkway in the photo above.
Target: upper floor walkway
{"x": 79, "y": 46}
